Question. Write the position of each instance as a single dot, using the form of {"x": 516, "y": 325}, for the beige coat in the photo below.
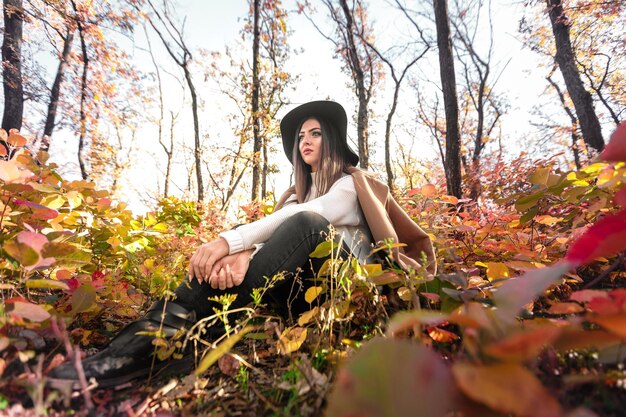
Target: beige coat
{"x": 387, "y": 220}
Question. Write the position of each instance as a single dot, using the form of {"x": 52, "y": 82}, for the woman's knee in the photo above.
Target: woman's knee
{"x": 309, "y": 220}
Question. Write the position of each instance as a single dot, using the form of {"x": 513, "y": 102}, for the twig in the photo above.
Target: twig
{"x": 265, "y": 400}
{"x": 73, "y": 353}
{"x": 607, "y": 272}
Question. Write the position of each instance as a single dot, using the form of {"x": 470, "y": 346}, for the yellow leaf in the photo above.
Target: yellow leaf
{"x": 307, "y": 316}
{"x": 46, "y": 283}
{"x": 548, "y": 220}
{"x": 405, "y": 294}
{"x": 373, "y": 270}
{"x": 497, "y": 270}
{"x": 312, "y": 293}
{"x": 291, "y": 340}
{"x": 507, "y": 388}
{"x": 74, "y": 199}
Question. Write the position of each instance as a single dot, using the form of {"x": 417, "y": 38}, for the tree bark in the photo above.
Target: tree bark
{"x": 56, "y": 90}
{"x": 12, "y": 65}
{"x": 583, "y": 103}
{"x": 452, "y": 164}
{"x": 256, "y": 128}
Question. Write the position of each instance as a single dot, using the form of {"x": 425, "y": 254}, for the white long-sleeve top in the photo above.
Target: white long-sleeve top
{"x": 339, "y": 206}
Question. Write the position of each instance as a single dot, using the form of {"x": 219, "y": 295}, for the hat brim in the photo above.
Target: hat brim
{"x": 328, "y": 110}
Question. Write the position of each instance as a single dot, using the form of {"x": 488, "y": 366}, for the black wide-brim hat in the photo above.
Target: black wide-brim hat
{"x": 328, "y": 110}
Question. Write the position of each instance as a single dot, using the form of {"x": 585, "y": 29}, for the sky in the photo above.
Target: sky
{"x": 213, "y": 24}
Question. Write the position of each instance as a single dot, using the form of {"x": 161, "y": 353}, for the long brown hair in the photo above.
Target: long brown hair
{"x": 333, "y": 162}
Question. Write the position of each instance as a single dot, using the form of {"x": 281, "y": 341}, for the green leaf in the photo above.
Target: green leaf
{"x": 540, "y": 176}
{"x": 323, "y": 250}
{"x": 529, "y": 215}
{"x": 83, "y": 298}
{"x": 528, "y": 201}
{"x": 221, "y": 349}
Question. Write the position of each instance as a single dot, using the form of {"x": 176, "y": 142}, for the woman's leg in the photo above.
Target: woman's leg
{"x": 287, "y": 251}
{"x": 130, "y": 354}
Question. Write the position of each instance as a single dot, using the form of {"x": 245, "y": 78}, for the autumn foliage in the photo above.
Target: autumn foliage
{"x": 528, "y": 288}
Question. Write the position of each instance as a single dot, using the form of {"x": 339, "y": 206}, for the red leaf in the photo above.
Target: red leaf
{"x": 615, "y": 151}
{"x": 605, "y": 238}
{"x": 40, "y": 212}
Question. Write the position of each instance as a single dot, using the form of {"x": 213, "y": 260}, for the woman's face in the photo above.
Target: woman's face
{"x": 310, "y": 143}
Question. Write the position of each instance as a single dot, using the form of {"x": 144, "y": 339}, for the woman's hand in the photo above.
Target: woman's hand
{"x": 202, "y": 262}
{"x": 230, "y": 271}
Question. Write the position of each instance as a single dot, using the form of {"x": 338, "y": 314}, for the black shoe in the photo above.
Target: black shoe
{"x": 131, "y": 355}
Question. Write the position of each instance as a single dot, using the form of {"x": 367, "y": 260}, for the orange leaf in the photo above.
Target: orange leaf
{"x": 16, "y": 139}
{"x": 428, "y": 190}
{"x": 441, "y": 335}
{"x": 614, "y": 323}
{"x": 565, "y": 308}
{"x": 508, "y": 388}
{"x": 524, "y": 345}
{"x": 615, "y": 151}
{"x": 577, "y": 338}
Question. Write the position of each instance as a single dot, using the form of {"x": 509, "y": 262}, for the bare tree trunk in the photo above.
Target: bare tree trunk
{"x": 265, "y": 171}
{"x": 12, "y": 65}
{"x": 452, "y": 165}
{"x": 182, "y": 61}
{"x": 196, "y": 130}
{"x": 362, "y": 121}
{"x": 83, "y": 96}
{"x": 572, "y": 117}
{"x": 56, "y": 89}
{"x": 168, "y": 151}
{"x": 256, "y": 128}
{"x": 583, "y": 103}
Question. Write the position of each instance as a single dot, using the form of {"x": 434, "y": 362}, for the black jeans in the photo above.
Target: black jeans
{"x": 287, "y": 251}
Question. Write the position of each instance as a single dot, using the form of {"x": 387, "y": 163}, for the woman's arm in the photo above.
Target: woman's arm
{"x": 202, "y": 261}
{"x": 338, "y": 206}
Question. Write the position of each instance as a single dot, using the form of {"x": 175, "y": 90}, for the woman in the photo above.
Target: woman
{"x": 328, "y": 190}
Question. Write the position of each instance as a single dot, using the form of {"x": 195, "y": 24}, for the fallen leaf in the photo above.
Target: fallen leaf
{"x": 291, "y": 340}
